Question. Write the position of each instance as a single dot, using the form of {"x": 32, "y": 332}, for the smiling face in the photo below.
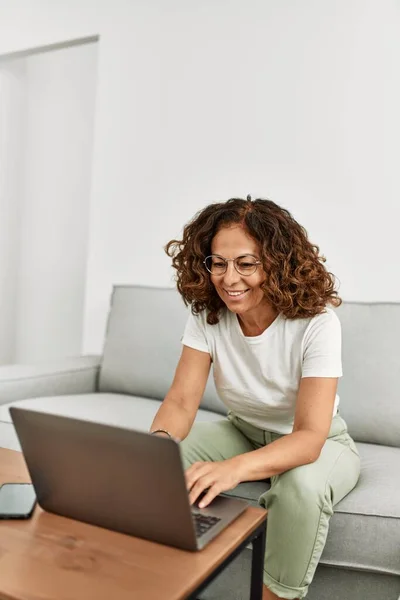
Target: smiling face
{"x": 241, "y": 294}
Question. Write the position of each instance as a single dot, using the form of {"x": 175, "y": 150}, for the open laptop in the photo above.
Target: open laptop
{"x": 117, "y": 478}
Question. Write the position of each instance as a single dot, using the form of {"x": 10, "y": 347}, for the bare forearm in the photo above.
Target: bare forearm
{"x": 174, "y": 418}
{"x": 293, "y": 450}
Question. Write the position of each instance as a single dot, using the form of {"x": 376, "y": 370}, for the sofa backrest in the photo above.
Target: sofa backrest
{"x": 143, "y": 344}
{"x": 370, "y": 387}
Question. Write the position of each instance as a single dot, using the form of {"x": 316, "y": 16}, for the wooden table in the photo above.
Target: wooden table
{"x": 49, "y": 557}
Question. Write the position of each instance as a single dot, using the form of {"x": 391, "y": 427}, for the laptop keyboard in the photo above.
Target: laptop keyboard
{"x": 203, "y": 523}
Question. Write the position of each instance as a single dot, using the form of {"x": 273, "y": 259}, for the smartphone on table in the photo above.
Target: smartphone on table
{"x": 17, "y": 500}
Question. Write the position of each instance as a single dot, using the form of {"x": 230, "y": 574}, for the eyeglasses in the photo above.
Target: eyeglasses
{"x": 244, "y": 265}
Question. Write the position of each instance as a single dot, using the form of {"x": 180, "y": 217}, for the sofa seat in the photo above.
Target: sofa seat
{"x": 365, "y": 528}
{"x": 111, "y": 409}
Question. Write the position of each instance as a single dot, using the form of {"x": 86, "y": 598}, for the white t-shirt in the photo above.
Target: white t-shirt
{"x": 257, "y": 378}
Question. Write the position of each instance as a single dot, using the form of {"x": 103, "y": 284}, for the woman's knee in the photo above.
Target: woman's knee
{"x": 298, "y": 488}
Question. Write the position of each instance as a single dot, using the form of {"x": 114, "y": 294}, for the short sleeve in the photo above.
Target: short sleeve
{"x": 194, "y": 335}
{"x": 322, "y": 346}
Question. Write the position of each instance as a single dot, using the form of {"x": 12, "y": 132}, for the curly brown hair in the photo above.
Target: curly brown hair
{"x": 297, "y": 285}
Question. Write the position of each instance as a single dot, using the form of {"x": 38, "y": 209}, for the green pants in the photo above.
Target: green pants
{"x": 300, "y": 501}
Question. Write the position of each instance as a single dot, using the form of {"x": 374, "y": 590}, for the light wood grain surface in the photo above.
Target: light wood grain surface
{"x": 48, "y": 557}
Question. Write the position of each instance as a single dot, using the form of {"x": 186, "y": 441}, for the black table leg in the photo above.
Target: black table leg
{"x": 257, "y": 564}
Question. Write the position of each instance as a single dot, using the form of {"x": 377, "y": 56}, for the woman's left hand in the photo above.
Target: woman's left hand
{"x": 217, "y": 477}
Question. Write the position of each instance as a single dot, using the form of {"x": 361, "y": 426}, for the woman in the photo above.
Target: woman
{"x": 260, "y": 297}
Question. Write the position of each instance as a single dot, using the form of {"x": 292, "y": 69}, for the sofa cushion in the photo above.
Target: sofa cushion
{"x": 364, "y": 532}
{"x": 143, "y": 344}
{"x": 8, "y": 437}
{"x": 369, "y": 388}
{"x": 111, "y": 409}
{"x": 365, "y": 529}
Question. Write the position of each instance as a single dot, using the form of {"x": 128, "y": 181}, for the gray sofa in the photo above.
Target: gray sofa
{"x": 125, "y": 385}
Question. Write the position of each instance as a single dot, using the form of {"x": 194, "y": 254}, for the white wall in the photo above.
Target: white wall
{"x": 12, "y": 129}
{"x": 55, "y": 209}
{"x": 46, "y": 137}
{"x": 197, "y": 102}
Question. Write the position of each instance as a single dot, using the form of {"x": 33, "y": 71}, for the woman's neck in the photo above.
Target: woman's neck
{"x": 253, "y": 325}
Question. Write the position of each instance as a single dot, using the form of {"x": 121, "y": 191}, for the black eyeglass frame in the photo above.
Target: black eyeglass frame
{"x": 226, "y": 260}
